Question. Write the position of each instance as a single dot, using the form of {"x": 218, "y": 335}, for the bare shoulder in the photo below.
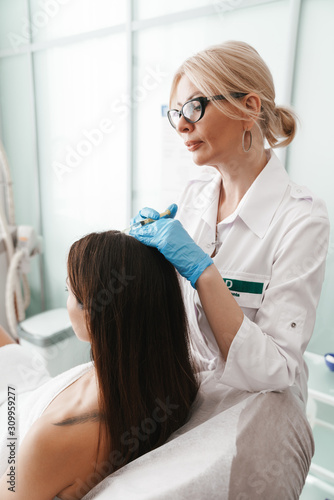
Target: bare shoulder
{"x": 37, "y": 465}
{"x": 52, "y": 459}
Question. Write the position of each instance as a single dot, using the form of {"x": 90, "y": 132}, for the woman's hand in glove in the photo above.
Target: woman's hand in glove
{"x": 173, "y": 241}
{"x": 150, "y": 213}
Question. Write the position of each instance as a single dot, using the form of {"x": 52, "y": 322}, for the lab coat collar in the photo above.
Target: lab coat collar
{"x": 259, "y": 204}
{"x": 264, "y": 196}
{"x": 212, "y": 190}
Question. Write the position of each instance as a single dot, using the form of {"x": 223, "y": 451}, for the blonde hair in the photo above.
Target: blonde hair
{"x": 235, "y": 66}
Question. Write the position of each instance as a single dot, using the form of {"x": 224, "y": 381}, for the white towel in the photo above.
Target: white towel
{"x": 195, "y": 462}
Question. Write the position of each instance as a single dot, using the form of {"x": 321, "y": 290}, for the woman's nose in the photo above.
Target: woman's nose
{"x": 183, "y": 125}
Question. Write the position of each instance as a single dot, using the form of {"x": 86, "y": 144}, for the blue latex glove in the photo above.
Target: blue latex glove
{"x": 150, "y": 213}
{"x": 173, "y": 241}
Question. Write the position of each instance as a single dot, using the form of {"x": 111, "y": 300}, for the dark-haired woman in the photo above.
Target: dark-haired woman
{"x": 136, "y": 392}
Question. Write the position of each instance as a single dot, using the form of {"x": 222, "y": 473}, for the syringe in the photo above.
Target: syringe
{"x": 145, "y": 221}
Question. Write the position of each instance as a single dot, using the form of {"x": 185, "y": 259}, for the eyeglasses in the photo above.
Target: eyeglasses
{"x": 194, "y": 110}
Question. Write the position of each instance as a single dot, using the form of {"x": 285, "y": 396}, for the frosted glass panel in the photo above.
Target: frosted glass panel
{"x": 146, "y": 8}
{"x": 162, "y": 163}
{"x": 82, "y": 133}
{"x": 311, "y": 156}
{"x": 17, "y": 133}
{"x": 13, "y": 24}
{"x": 17, "y": 122}
{"x": 57, "y": 18}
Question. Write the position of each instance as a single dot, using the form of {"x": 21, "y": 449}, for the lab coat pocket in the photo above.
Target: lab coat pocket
{"x": 246, "y": 288}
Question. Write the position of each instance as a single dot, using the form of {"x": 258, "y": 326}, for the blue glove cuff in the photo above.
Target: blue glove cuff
{"x": 206, "y": 262}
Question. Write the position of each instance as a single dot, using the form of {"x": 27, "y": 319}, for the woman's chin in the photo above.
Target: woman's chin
{"x": 82, "y": 336}
{"x": 198, "y": 160}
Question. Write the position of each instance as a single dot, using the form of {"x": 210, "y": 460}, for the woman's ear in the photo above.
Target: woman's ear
{"x": 253, "y": 104}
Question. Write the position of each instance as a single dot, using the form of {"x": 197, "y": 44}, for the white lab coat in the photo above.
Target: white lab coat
{"x": 272, "y": 253}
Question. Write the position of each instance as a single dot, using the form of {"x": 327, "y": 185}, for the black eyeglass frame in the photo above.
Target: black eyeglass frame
{"x": 204, "y": 101}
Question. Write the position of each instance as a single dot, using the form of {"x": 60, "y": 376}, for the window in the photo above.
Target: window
{"x": 84, "y": 87}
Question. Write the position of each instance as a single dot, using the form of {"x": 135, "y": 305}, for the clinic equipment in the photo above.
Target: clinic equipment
{"x": 329, "y": 360}
{"x": 50, "y": 338}
{"x": 48, "y": 335}
{"x": 145, "y": 221}
{"x": 21, "y": 244}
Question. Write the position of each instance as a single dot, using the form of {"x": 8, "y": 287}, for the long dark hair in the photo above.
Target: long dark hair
{"x": 139, "y": 340}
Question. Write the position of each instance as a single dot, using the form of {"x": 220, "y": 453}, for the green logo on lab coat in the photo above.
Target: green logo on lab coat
{"x": 243, "y": 286}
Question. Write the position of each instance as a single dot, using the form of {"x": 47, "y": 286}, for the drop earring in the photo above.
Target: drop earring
{"x": 243, "y": 141}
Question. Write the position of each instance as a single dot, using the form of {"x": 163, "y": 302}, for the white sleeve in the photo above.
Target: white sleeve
{"x": 266, "y": 354}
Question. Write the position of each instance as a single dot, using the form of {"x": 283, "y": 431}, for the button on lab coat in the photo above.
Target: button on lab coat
{"x": 271, "y": 254}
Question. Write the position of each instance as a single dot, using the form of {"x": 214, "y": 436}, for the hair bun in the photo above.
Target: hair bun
{"x": 286, "y": 124}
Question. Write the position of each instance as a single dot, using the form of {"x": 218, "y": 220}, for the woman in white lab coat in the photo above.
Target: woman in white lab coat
{"x": 250, "y": 241}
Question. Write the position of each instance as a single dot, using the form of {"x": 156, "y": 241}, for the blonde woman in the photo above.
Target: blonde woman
{"x": 250, "y": 243}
